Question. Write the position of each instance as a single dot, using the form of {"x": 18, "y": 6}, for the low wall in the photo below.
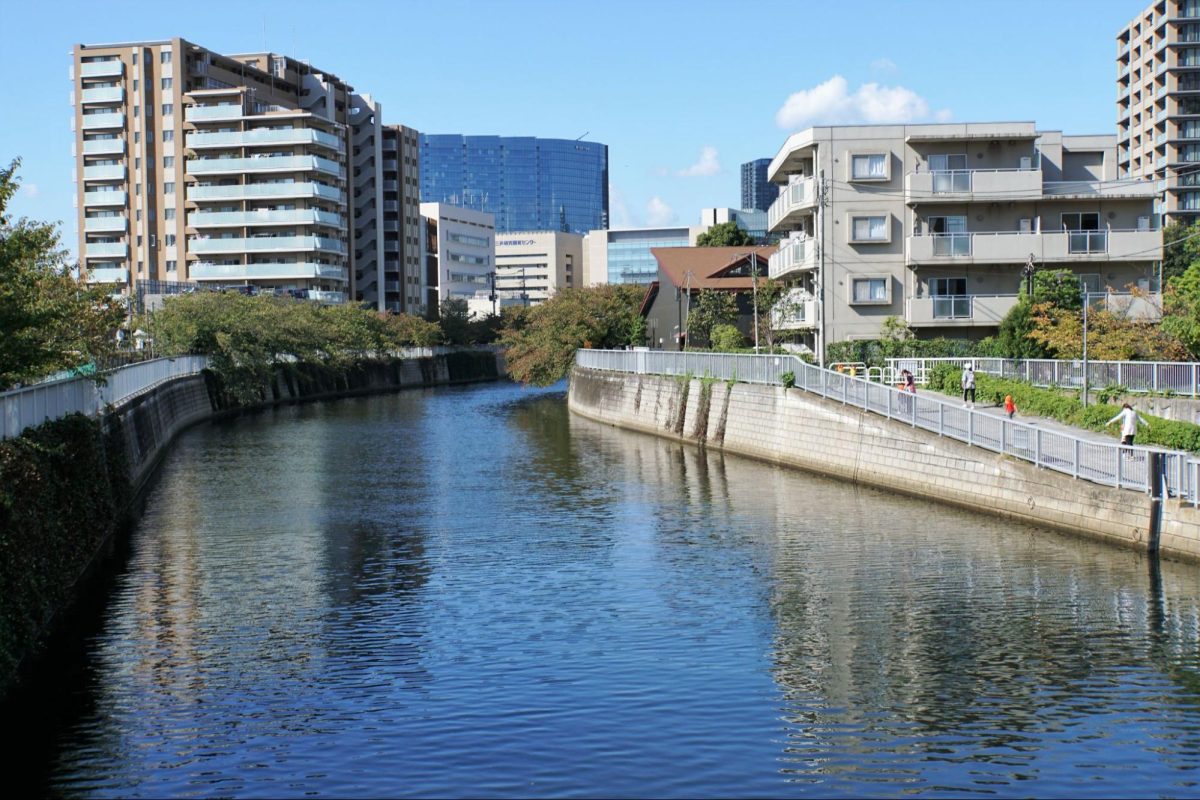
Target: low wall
{"x": 794, "y": 428}
{"x": 70, "y": 486}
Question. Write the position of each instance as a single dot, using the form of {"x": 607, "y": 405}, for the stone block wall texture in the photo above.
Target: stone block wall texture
{"x": 794, "y": 428}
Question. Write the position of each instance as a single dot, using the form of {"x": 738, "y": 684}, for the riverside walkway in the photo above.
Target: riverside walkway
{"x": 1083, "y": 455}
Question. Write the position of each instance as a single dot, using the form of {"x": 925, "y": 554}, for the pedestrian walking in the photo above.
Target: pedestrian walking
{"x": 910, "y": 383}
{"x": 1010, "y": 407}
{"x": 968, "y": 385}
{"x": 1129, "y": 420}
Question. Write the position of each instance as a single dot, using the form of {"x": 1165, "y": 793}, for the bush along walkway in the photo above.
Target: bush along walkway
{"x": 1064, "y": 405}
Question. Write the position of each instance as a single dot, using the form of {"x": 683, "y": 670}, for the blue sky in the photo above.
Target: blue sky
{"x": 682, "y": 93}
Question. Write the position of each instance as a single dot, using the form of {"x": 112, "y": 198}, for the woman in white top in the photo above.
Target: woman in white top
{"x": 1129, "y": 420}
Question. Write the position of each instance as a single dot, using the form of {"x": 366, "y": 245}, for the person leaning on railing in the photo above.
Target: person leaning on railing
{"x": 1129, "y": 420}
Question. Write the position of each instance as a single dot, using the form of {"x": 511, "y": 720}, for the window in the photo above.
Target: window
{"x": 1083, "y": 221}
{"x": 950, "y": 300}
{"x": 1083, "y": 232}
{"x": 168, "y": 162}
{"x": 947, "y": 287}
{"x": 137, "y": 137}
{"x": 170, "y": 266}
{"x": 870, "y": 167}
{"x": 169, "y": 240}
{"x": 169, "y": 187}
{"x": 164, "y": 57}
{"x": 950, "y": 236}
{"x": 168, "y": 136}
{"x": 868, "y": 291}
{"x": 167, "y": 110}
{"x": 166, "y": 83}
{"x": 869, "y": 229}
{"x": 168, "y": 213}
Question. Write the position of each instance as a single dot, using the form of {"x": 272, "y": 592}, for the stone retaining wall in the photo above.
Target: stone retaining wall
{"x": 794, "y": 428}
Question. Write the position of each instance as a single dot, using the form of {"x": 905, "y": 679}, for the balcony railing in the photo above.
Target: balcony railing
{"x": 102, "y": 69}
{"x": 106, "y": 250}
{"x": 206, "y": 113}
{"x": 215, "y": 166}
{"x": 1120, "y": 188}
{"x": 263, "y": 191}
{"x": 798, "y": 195}
{"x": 104, "y": 147}
{"x": 303, "y": 216}
{"x": 972, "y": 184}
{"x": 322, "y": 296}
{"x": 1015, "y": 246}
{"x": 207, "y": 271}
{"x": 102, "y": 94}
{"x": 199, "y": 140}
{"x": 261, "y": 244}
{"x": 1087, "y": 242}
{"x": 977, "y": 309}
{"x": 104, "y": 172}
{"x": 93, "y": 122}
{"x": 105, "y": 224}
{"x": 951, "y": 244}
{"x": 107, "y": 275}
{"x": 793, "y": 255}
{"x": 104, "y": 198}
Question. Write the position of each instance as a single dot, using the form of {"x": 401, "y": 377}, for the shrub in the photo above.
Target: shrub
{"x": 788, "y": 379}
{"x": 726, "y": 338}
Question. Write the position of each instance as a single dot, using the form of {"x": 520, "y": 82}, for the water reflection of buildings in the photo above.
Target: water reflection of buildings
{"x": 906, "y": 630}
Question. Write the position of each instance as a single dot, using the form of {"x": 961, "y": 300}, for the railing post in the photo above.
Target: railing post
{"x": 1075, "y": 461}
{"x": 1156, "y": 366}
{"x": 970, "y": 428}
{"x": 1003, "y": 435}
{"x": 941, "y": 419}
{"x": 1037, "y": 447}
{"x": 1056, "y": 383}
{"x": 1193, "y": 379}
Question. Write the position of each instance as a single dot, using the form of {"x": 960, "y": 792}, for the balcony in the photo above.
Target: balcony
{"x": 107, "y": 275}
{"x": 207, "y": 271}
{"x": 972, "y": 185}
{"x": 104, "y": 147}
{"x": 102, "y": 94}
{"x": 106, "y": 250}
{"x": 1129, "y": 188}
{"x": 102, "y": 69}
{"x": 104, "y": 172}
{"x": 104, "y": 198}
{"x": 105, "y": 224}
{"x": 796, "y": 310}
{"x": 237, "y": 219}
{"x": 266, "y": 244}
{"x": 332, "y": 298}
{"x": 237, "y": 166}
{"x": 212, "y": 113}
{"x": 1015, "y": 247}
{"x": 797, "y": 199}
{"x": 201, "y": 140}
{"x": 959, "y": 310}
{"x": 97, "y": 122}
{"x": 266, "y": 191}
{"x": 794, "y": 255}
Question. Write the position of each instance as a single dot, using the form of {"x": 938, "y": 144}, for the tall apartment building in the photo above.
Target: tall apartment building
{"x": 532, "y": 266}
{"x": 935, "y": 224}
{"x": 757, "y": 191}
{"x": 526, "y": 183}
{"x": 459, "y": 247}
{"x": 196, "y": 166}
{"x": 1158, "y": 103}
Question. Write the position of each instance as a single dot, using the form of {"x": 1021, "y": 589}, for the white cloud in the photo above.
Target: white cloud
{"x": 659, "y": 213}
{"x": 30, "y": 189}
{"x": 618, "y": 211}
{"x": 884, "y": 65}
{"x": 707, "y": 164}
{"x": 831, "y": 102}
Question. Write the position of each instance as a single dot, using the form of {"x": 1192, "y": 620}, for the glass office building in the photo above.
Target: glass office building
{"x": 757, "y": 192}
{"x": 528, "y": 184}
{"x": 629, "y": 256}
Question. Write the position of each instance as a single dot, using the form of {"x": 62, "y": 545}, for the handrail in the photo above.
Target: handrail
{"x": 1109, "y": 464}
{"x": 1176, "y": 377}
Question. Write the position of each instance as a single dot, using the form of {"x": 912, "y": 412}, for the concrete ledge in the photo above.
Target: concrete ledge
{"x": 793, "y": 428}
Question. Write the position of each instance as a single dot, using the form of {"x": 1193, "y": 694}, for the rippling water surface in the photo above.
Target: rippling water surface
{"x": 469, "y": 592}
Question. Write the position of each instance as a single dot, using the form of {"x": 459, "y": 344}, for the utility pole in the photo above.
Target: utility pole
{"x": 754, "y": 295}
{"x": 1028, "y": 273}
{"x": 1086, "y": 303}
{"x": 492, "y": 292}
{"x": 687, "y": 305}
{"x": 822, "y": 201}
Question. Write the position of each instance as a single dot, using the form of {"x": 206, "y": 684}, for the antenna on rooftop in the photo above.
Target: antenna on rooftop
{"x": 585, "y": 133}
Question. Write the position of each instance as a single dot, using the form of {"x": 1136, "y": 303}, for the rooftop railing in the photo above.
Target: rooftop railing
{"x": 1109, "y": 464}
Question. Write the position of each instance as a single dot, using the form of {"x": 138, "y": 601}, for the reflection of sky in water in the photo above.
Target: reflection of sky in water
{"x": 468, "y": 592}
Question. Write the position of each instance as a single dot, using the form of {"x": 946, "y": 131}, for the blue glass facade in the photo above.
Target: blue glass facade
{"x": 757, "y": 192}
{"x": 529, "y": 184}
{"x": 629, "y": 256}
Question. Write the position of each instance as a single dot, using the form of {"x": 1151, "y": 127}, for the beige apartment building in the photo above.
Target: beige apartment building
{"x": 193, "y": 166}
{"x": 937, "y": 224}
{"x": 532, "y": 266}
{"x": 1158, "y": 103}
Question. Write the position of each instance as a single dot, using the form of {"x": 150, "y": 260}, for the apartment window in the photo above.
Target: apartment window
{"x": 947, "y": 287}
{"x": 169, "y": 240}
{"x": 869, "y": 229}
{"x": 1190, "y": 129}
{"x": 168, "y": 213}
{"x": 1081, "y": 221}
{"x": 1189, "y": 153}
{"x": 947, "y": 162}
{"x": 137, "y": 137}
{"x": 872, "y": 290}
{"x": 168, "y": 136}
{"x": 1189, "y": 201}
{"x": 169, "y": 187}
{"x": 1083, "y": 232}
{"x": 139, "y": 215}
{"x": 869, "y": 167}
{"x": 168, "y": 162}
{"x": 1189, "y": 57}
{"x": 170, "y": 266}
{"x": 164, "y": 57}
{"x": 167, "y": 110}
{"x": 1189, "y": 32}
{"x": 135, "y": 85}
{"x": 950, "y": 236}
{"x": 166, "y": 83}
{"x": 137, "y": 162}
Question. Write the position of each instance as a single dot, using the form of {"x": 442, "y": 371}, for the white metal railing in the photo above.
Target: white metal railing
{"x": 1176, "y": 377}
{"x": 1109, "y": 464}
{"x": 33, "y": 405}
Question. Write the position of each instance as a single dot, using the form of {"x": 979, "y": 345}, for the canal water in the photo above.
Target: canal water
{"x": 468, "y": 592}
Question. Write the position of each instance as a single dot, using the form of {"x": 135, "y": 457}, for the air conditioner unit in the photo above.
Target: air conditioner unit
{"x": 1026, "y": 162}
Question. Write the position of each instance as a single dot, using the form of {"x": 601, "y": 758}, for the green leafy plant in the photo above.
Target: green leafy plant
{"x": 788, "y": 379}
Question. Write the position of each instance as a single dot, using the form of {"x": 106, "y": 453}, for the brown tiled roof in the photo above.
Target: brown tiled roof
{"x": 706, "y": 265}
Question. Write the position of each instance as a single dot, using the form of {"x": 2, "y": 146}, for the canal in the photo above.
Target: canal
{"x": 468, "y": 592}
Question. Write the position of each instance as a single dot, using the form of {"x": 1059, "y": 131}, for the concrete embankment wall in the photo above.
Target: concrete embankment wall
{"x": 72, "y": 485}
{"x": 794, "y": 428}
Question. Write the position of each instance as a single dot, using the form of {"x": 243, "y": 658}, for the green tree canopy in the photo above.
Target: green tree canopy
{"x": 542, "y": 341}
{"x": 455, "y": 321}
{"x": 49, "y": 321}
{"x": 724, "y": 234}
{"x": 709, "y": 309}
{"x": 1180, "y": 251}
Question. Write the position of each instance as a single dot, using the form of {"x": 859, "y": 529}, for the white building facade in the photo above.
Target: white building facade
{"x": 937, "y": 224}
{"x": 459, "y": 246}
{"x": 532, "y": 266}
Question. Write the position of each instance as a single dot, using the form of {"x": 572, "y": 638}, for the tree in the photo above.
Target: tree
{"x": 454, "y": 320}
{"x": 409, "y": 330}
{"x": 1179, "y": 251}
{"x": 724, "y": 234}
{"x": 1181, "y": 309}
{"x": 1058, "y": 288}
{"x": 49, "y": 321}
{"x": 1111, "y": 336}
{"x": 542, "y": 341}
{"x": 770, "y": 293}
{"x": 709, "y": 309}
{"x": 727, "y": 338}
